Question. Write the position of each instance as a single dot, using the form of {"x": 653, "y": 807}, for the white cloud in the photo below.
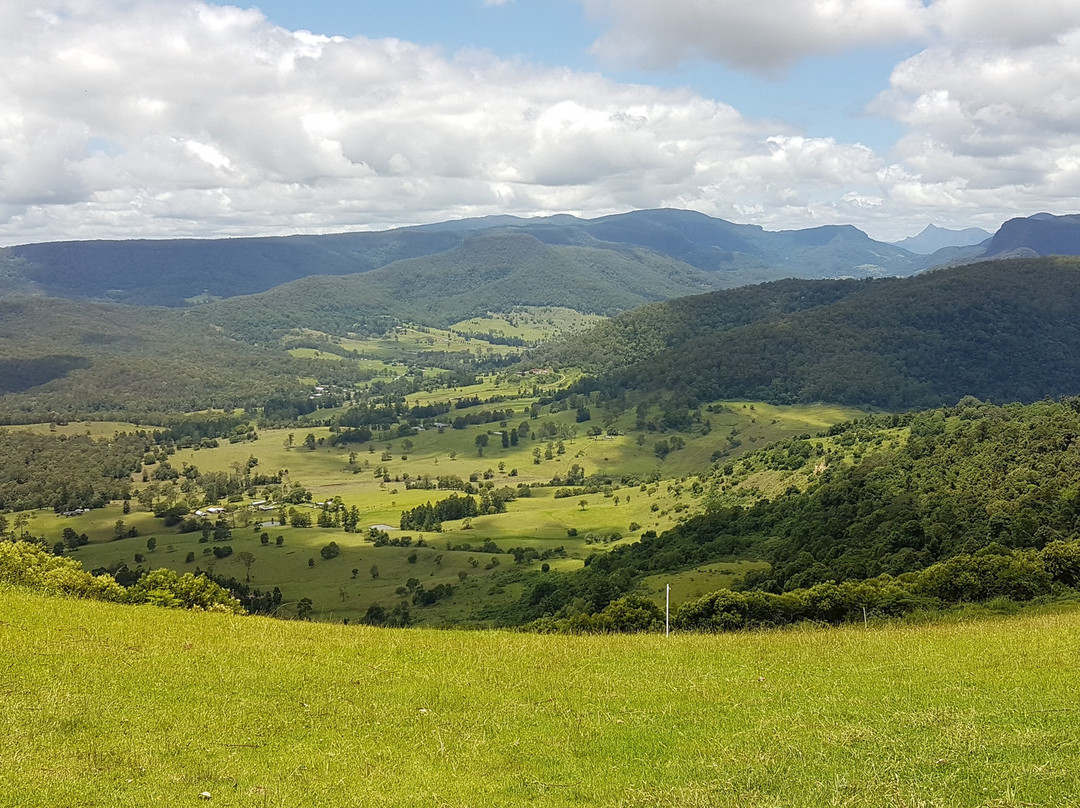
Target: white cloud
{"x": 126, "y": 118}
{"x": 163, "y": 118}
{"x": 763, "y": 36}
{"x": 769, "y": 36}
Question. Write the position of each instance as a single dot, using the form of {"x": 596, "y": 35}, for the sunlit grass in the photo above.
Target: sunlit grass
{"x": 540, "y": 521}
{"x": 119, "y": 706}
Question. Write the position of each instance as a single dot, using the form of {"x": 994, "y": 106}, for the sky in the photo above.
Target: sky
{"x": 177, "y": 118}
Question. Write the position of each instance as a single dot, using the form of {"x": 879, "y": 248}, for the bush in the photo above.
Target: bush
{"x": 30, "y": 565}
{"x": 166, "y": 588}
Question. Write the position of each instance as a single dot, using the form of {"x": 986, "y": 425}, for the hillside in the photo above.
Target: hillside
{"x": 888, "y": 515}
{"x": 159, "y": 706}
{"x": 59, "y": 358}
{"x": 1003, "y": 331}
{"x": 487, "y": 272}
{"x": 168, "y": 272}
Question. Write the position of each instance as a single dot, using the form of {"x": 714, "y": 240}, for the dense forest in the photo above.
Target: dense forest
{"x": 1000, "y": 331}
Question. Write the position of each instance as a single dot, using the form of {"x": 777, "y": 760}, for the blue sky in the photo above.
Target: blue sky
{"x": 162, "y": 118}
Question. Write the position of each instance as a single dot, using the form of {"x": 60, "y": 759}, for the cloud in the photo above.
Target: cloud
{"x": 153, "y": 118}
{"x": 989, "y": 125}
{"x": 761, "y": 37}
{"x": 770, "y": 36}
{"x": 162, "y": 118}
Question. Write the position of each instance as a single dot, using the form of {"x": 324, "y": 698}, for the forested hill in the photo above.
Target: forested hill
{"x": 1000, "y": 331}
{"x": 489, "y": 272}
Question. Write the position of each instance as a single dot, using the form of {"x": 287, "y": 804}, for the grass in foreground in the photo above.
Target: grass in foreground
{"x": 127, "y": 706}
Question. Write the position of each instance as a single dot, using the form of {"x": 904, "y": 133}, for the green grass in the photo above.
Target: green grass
{"x": 531, "y": 323}
{"x": 541, "y": 521}
{"x": 95, "y": 429}
{"x": 106, "y": 705}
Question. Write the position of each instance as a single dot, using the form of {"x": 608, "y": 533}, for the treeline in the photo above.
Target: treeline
{"x": 430, "y": 517}
{"x": 965, "y": 477}
{"x": 993, "y": 572}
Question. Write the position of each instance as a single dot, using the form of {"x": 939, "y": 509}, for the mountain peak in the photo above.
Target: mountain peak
{"x": 933, "y": 238}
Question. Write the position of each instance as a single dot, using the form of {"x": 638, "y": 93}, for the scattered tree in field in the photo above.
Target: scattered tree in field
{"x": 582, "y": 503}
{"x": 280, "y": 540}
{"x": 151, "y": 544}
{"x": 330, "y": 551}
{"x": 355, "y": 572}
{"x": 247, "y": 559}
{"x": 375, "y": 571}
{"x": 311, "y": 562}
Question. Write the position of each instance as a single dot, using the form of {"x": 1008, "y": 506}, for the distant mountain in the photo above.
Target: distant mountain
{"x": 998, "y": 330}
{"x": 169, "y": 272}
{"x": 174, "y": 272}
{"x": 934, "y": 238}
{"x": 1041, "y": 234}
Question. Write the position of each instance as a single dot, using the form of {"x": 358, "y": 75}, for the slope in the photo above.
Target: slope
{"x": 1002, "y": 330}
{"x": 158, "y": 706}
{"x": 487, "y": 272}
{"x": 61, "y": 358}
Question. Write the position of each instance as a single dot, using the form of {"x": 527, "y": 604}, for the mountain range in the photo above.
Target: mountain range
{"x": 616, "y": 261}
{"x": 706, "y": 253}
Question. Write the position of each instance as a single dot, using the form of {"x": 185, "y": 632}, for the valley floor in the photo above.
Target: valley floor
{"x": 134, "y": 706}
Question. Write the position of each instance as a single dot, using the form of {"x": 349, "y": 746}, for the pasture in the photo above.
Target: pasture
{"x": 108, "y": 705}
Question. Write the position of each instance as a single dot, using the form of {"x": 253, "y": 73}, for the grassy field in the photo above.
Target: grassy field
{"x": 107, "y": 705}
{"x": 534, "y": 324}
{"x": 539, "y": 521}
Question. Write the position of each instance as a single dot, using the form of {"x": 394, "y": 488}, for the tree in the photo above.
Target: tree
{"x": 309, "y": 441}
{"x": 374, "y": 571}
{"x": 582, "y": 503}
{"x": 280, "y": 540}
{"x": 331, "y": 550}
{"x": 304, "y": 608}
{"x": 311, "y": 562}
{"x": 247, "y": 559}
{"x": 151, "y": 544}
